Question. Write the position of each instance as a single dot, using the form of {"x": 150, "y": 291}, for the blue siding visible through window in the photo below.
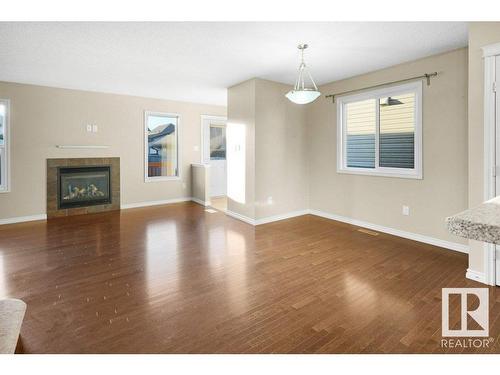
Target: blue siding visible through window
{"x": 397, "y": 150}
{"x": 397, "y": 131}
{"x": 361, "y": 150}
{"x": 360, "y": 140}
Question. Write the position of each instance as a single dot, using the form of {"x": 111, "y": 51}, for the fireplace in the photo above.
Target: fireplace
{"x": 78, "y": 186}
{"x": 83, "y": 186}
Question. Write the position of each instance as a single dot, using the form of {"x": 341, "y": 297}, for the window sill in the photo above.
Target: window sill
{"x": 4, "y": 190}
{"x": 369, "y": 173}
{"x": 160, "y": 179}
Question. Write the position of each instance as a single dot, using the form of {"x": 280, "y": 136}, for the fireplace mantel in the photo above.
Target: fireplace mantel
{"x": 54, "y": 166}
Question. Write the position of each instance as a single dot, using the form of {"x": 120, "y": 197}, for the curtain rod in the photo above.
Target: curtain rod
{"x": 427, "y": 76}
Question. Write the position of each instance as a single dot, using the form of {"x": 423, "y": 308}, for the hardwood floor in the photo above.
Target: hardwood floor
{"x": 176, "y": 279}
{"x": 219, "y": 203}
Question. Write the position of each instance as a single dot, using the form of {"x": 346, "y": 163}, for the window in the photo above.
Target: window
{"x": 161, "y": 146}
{"x": 379, "y": 132}
{"x": 217, "y": 142}
{"x": 4, "y": 145}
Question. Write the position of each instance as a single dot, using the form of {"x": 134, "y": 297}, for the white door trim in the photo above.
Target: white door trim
{"x": 489, "y": 53}
{"x": 491, "y": 50}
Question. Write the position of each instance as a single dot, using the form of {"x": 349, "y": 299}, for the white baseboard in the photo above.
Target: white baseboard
{"x": 266, "y": 220}
{"x": 241, "y": 217}
{"x": 154, "y": 203}
{"x": 199, "y": 201}
{"x": 395, "y": 232}
{"x": 288, "y": 215}
{"x": 475, "y": 275}
{"x": 21, "y": 219}
{"x": 379, "y": 228}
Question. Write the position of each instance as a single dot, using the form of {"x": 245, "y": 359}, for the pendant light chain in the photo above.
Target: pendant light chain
{"x": 301, "y": 94}
{"x": 300, "y": 82}
{"x": 301, "y": 67}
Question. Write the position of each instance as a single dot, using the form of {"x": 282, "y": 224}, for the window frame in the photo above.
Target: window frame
{"x": 5, "y": 187}
{"x": 177, "y": 177}
{"x": 414, "y": 173}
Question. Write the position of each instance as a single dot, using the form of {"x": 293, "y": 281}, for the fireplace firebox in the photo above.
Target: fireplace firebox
{"x": 79, "y": 186}
{"x": 83, "y": 186}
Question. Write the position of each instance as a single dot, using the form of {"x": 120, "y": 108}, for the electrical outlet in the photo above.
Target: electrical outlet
{"x": 196, "y": 148}
{"x": 270, "y": 200}
{"x": 89, "y": 128}
{"x": 406, "y": 210}
{"x": 183, "y": 185}
{"x": 95, "y": 128}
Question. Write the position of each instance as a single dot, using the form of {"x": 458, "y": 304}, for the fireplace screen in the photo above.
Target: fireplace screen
{"x": 84, "y": 186}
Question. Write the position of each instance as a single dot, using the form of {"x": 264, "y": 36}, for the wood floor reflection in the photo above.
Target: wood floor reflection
{"x": 177, "y": 279}
{"x": 219, "y": 203}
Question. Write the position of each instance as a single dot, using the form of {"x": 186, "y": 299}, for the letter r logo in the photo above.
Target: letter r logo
{"x": 479, "y": 315}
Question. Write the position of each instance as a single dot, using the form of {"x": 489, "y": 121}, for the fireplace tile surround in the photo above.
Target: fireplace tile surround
{"x": 53, "y": 168}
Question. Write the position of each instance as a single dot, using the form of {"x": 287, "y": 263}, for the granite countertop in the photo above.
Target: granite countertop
{"x": 481, "y": 223}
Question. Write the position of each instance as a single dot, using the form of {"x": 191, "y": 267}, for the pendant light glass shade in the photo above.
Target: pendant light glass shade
{"x": 302, "y": 94}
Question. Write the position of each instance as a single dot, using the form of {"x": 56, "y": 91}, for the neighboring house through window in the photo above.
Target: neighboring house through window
{"x": 4, "y": 145}
{"x": 217, "y": 142}
{"x": 379, "y": 132}
{"x": 161, "y": 137}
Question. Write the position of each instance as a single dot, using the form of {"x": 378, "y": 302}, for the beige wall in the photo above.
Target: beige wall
{"x": 480, "y": 34}
{"x": 276, "y": 155}
{"x": 379, "y": 200}
{"x": 280, "y": 152}
{"x": 241, "y": 111}
{"x": 290, "y": 150}
{"x": 43, "y": 117}
{"x": 200, "y": 182}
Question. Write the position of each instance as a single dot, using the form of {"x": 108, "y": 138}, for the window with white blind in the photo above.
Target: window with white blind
{"x": 379, "y": 132}
{"x": 4, "y": 145}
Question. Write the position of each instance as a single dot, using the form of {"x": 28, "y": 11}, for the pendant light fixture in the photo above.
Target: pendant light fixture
{"x": 302, "y": 94}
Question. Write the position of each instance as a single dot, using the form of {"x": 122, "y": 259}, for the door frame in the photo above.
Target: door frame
{"x": 490, "y": 53}
{"x": 202, "y": 132}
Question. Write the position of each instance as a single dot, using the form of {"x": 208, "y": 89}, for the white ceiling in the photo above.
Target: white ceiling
{"x": 197, "y": 61}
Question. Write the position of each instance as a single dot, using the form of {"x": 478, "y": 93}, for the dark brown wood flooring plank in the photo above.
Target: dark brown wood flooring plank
{"x": 176, "y": 279}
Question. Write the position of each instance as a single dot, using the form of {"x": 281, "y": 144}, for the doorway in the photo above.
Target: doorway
{"x": 214, "y": 154}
